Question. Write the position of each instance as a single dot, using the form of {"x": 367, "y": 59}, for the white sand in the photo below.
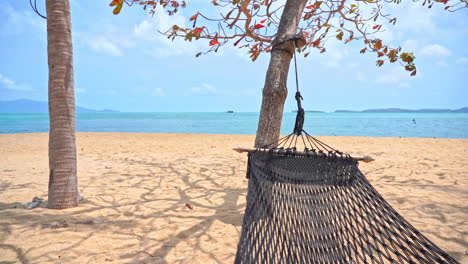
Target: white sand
{"x": 137, "y": 185}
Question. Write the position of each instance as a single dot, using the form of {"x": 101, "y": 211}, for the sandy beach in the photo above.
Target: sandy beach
{"x": 136, "y": 187}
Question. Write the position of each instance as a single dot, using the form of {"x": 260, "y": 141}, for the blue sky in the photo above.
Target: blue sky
{"x": 122, "y": 63}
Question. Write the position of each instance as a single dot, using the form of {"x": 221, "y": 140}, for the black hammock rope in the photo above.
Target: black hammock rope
{"x": 318, "y": 207}
{"x": 34, "y": 8}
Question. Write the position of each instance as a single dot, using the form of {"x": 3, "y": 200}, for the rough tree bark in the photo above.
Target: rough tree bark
{"x": 63, "y": 183}
{"x": 275, "y": 90}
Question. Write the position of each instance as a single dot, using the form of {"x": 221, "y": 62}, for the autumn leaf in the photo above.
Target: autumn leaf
{"x": 316, "y": 43}
{"x": 118, "y": 6}
{"x": 340, "y": 36}
{"x": 407, "y": 57}
{"x": 264, "y": 20}
{"x": 377, "y": 27}
{"x": 194, "y": 17}
{"x": 378, "y": 44}
{"x": 214, "y": 42}
{"x": 198, "y": 30}
{"x": 258, "y": 26}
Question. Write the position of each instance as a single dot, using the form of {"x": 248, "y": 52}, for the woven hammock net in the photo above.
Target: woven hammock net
{"x": 320, "y": 208}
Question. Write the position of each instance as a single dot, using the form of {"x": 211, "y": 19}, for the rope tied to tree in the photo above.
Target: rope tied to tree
{"x": 298, "y": 41}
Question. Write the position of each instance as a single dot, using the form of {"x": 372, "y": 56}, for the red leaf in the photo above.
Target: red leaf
{"x": 316, "y": 43}
{"x": 264, "y": 20}
{"x": 310, "y": 7}
{"x": 376, "y": 27}
{"x": 214, "y": 42}
{"x": 194, "y": 17}
{"x": 198, "y": 29}
{"x": 258, "y": 26}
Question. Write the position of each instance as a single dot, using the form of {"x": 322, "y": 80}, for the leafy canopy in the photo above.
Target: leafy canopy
{"x": 253, "y": 24}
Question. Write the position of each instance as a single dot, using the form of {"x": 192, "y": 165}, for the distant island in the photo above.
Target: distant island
{"x": 30, "y": 106}
{"x": 400, "y": 110}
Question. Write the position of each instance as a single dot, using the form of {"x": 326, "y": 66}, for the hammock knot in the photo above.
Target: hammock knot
{"x": 300, "y": 115}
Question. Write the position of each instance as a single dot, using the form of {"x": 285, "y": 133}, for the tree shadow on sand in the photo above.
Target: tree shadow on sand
{"x": 136, "y": 212}
{"x": 138, "y": 208}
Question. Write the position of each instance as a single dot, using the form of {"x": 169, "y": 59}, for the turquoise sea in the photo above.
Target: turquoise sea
{"x": 444, "y": 125}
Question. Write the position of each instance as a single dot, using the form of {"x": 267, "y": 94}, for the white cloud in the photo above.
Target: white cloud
{"x": 80, "y": 90}
{"x": 12, "y": 85}
{"x": 396, "y": 75}
{"x": 435, "y": 50}
{"x": 360, "y": 76}
{"x": 204, "y": 89}
{"x": 442, "y": 63}
{"x": 410, "y": 45}
{"x": 148, "y": 34}
{"x": 208, "y": 87}
{"x": 106, "y": 38}
{"x": 103, "y": 44}
{"x": 412, "y": 17}
{"x": 15, "y": 22}
{"x": 404, "y": 85}
{"x": 462, "y": 60}
{"x": 158, "y": 92}
{"x": 334, "y": 55}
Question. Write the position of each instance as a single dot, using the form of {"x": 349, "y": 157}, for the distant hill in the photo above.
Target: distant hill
{"x": 346, "y": 111}
{"x": 461, "y": 110}
{"x": 399, "y": 110}
{"x": 30, "y": 106}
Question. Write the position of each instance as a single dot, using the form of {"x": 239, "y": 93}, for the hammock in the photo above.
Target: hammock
{"x": 316, "y": 206}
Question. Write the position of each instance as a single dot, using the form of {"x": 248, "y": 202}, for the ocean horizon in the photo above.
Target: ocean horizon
{"x": 421, "y": 125}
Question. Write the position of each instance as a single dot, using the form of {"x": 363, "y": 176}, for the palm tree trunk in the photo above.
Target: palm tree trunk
{"x": 63, "y": 183}
{"x": 275, "y": 90}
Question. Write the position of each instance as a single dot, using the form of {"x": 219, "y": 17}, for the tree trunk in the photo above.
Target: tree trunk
{"x": 63, "y": 183}
{"x": 275, "y": 90}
